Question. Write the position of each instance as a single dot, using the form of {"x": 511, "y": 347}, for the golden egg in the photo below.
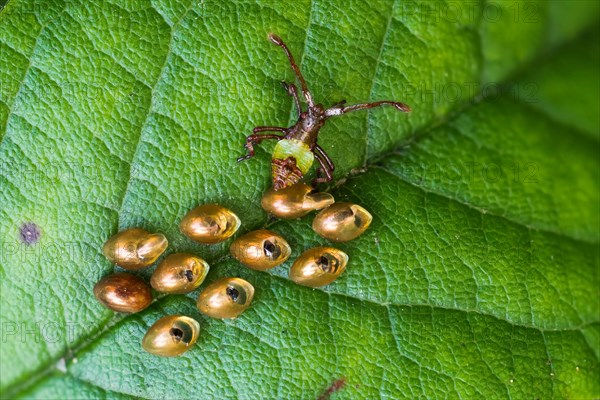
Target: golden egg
{"x": 342, "y": 222}
{"x": 260, "y": 250}
{"x": 135, "y": 248}
{"x": 123, "y": 292}
{"x": 179, "y": 273}
{"x": 171, "y": 336}
{"x": 318, "y": 266}
{"x": 225, "y": 298}
{"x": 210, "y": 224}
{"x": 294, "y": 201}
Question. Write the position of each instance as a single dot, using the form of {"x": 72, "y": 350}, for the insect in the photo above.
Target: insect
{"x": 179, "y": 273}
{"x": 297, "y": 145}
{"x": 171, "y": 336}
{"x": 318, "y": 266}
{"x": 225, "y": 298}
{"x": 123, "y": 292}
{"x": 135, "y": 248}
{"x": 209, "y": 224}
{"x": 261, "y": 250}
{"x": 342, "y": 222}
{"x": 294, "y": 201}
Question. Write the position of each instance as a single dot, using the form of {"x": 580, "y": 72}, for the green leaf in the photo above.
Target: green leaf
{"x": 478, "y": 277}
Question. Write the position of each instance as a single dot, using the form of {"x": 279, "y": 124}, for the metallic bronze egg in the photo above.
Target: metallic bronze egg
{"x": 318, "y": 266}
{"x": 342, "y": 222}
{"x": 123, "y": 292}
{"x": 171, "y": 336}
{"x": 294, "y": 201}
{"x": 260, "y": 250}
{"x": 225, "y": 298}
{"x": 210, "y": 224}
{"x": 179, "y": 273}
{"x": 135, "y": 248}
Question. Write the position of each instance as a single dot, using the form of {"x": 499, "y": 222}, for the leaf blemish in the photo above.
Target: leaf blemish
{"x": 30, "y": 233}
{"x": 336, "y": 385}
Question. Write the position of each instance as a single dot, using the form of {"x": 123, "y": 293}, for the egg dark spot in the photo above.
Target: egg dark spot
{"x": 189, "y": 275}
{"x": 328, "y": 263}
{"x": 233, "y": 293}
{"x": 176, "y": 333}
{"x": 323, "y": 262}
{"x": 271, "y": 250}
{"x": 358, "y": 221}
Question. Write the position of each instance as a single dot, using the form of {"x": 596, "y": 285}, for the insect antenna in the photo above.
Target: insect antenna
{"x": 305, "y": 92}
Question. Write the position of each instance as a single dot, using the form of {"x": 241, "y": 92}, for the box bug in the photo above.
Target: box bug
{"x": 297, "y": 145}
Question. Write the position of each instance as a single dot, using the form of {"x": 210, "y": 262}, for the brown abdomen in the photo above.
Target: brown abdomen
{"x": 285, "y": 172}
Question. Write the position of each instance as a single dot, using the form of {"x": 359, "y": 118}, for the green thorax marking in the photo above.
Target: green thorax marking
{"x": 297, "y": 149}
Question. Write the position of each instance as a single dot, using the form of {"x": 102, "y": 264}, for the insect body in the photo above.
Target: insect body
{"x": 318, "y": 267}
{"x": 171, "y": 336}
{"x": 225, "y": 298}
{"x": 297, "y": 145}
{"x": 292, "y": 159}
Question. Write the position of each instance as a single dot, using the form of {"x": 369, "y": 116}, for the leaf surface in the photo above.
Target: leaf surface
{"x": 478, "y": 277}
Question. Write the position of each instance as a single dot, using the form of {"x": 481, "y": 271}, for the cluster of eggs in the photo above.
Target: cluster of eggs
{"x": 135, "y": 249}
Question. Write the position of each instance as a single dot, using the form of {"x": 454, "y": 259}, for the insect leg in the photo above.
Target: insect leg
{"x": 339, "y": 104}
{"x": 365, "y": 106}
{"x": 256, "y": 138}
{"x": 305, "y": 92}
{"x": 326, "y": 167}
{"x": 268, "y": 129}
{"x": 292, "y": 90}
{"x": 322, "y": 179}
{"x": 320, "y": 153}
